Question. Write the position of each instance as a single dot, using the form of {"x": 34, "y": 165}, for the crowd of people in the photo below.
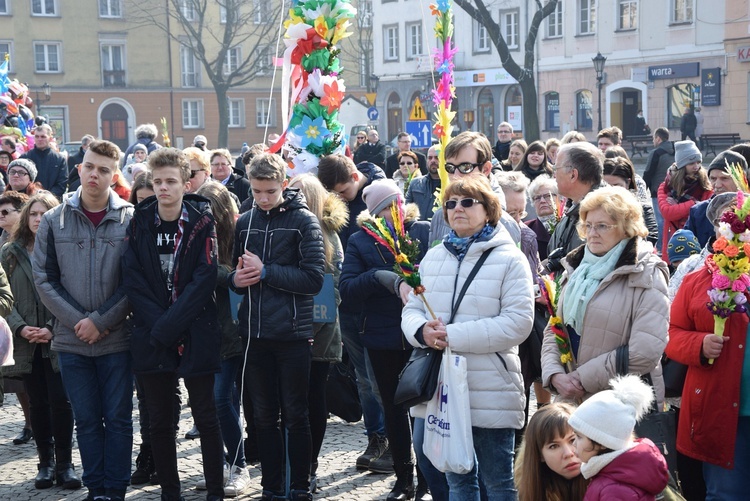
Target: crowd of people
{"x": 121, "y": 272}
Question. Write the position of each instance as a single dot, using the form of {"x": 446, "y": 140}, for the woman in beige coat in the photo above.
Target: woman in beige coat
{"x": 614, "y": 293}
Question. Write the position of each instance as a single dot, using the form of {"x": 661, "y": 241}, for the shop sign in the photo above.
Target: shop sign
{"x": 743, "y": 54}
{"x": 711, "y": 87}
{"x": 681, "y": 70}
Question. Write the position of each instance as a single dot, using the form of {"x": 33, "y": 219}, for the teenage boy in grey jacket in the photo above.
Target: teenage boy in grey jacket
{"x": 76, "y": 265}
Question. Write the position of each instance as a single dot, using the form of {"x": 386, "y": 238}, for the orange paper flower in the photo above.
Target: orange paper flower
{"x": 731, "y": 251}
{"x": 720, "y": 244}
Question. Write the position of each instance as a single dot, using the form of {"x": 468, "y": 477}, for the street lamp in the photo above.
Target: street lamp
{"x": 599, "y": 61}
{"x": 46, "y": 92}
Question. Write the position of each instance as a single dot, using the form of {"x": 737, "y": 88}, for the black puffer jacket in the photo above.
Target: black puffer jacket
{"x": 158, "y": 326}
{"x": 289, "y": 241}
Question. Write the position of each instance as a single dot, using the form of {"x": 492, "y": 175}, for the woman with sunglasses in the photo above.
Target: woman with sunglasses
{"x": 614, "y": 293}
{"x": 408, "y": 170}
{"x": 494, "y": 317}
{"x": 32, "y": 323}
{"x": 361, "y": 139}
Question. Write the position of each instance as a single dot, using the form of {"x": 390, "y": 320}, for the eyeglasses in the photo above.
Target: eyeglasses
{"x": 599, "y": 228}
{"x": 466, "y": 203}
{"x": 516, "y": 214}
{"x": 558, "y": 167}
{"x": 405, "y": 141}
{"x": 220, "y": 165}
{"x": 5, "y": 212}
{"x": 406, "y": 163}
{"x": 464, "y": 168}
{"x": 546, "y": 196}
{"x": 503, "y": 132}
{"x": 18, "y": 172}
{"x": 194, "y": 173}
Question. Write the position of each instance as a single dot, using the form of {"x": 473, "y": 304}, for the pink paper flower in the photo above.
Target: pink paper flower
{"x": 721, "y": 281}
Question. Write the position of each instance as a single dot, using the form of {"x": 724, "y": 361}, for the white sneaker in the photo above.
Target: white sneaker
{"x": 201, "y": 485}
{"x": 238, "y": 482}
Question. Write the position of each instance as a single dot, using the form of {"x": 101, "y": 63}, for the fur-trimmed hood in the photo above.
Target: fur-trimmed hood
{"x": 335, "y": 214}
{"x": 411, "y": 213}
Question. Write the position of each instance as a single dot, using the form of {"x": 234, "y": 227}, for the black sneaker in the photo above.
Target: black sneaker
{"x": 144, "y": 468}
{"x": 384, "y": 463}
{"x": 375, "y": 449}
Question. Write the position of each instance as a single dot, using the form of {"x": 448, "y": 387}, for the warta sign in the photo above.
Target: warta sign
{"x": 665, "y": 71}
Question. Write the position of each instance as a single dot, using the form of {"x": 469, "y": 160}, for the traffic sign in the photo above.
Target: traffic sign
{"x": 420, "y": 132}
{"x": 417, "y": 111}
{"x": 372, "y": 113}
{"x": 371, "y": 96}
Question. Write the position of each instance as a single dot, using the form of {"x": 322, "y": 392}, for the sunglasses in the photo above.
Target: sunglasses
{"x": 464, "y": 168}
{"x": 193, "y": 173}
{"x": 466, "y": 203}
{"x": 406, "y": 163}
{"x": 5, "y": 212}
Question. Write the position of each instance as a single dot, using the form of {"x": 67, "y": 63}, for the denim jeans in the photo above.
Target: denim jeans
{"x": 659, "y": 223}
{"x": 493, "y": 454}
{"x": 50, "y": 411}
{"x": 278, "y": 376}
{"x": 159, "y": 390}
{"x": 435, "y": 478}
{"x": 372, "y": 409}
{"x": 227, "y": 407}
{"x": 101, "y": 394}
{"x": 730, "y": 485}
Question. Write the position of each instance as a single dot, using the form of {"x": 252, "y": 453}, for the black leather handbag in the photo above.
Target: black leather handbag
{"x": 419, "y": 377}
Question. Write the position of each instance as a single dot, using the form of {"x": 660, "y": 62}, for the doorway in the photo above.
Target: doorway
{"x": 630, "y": 106}
{"x": 114, "y": 119}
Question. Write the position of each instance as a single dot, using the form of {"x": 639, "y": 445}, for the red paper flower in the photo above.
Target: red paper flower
{"x": 332, "y": 96}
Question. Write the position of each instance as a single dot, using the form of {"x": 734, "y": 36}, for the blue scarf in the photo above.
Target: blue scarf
{"x": 584, "y": 281}
{"x": 461, "y": 244}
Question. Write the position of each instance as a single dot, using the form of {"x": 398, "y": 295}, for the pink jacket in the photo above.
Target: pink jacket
{"x": 675, "y": 216}
{"x": 635, "y": 474}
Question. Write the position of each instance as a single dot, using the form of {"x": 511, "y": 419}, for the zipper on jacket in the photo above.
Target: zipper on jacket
{"x": 503, "y": 361}
{"x": 260, "y": 294}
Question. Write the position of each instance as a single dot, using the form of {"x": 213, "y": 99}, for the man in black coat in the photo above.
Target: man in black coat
{"x": 51, "y": 166}
{"x": 74, "y": 180}
{"x": 688, "y": 125}
{"x": 222, "y": 171}
{"x": 404, "y": 144}
{"x": 504, "y": 140}
{"x": 372, "y": 151}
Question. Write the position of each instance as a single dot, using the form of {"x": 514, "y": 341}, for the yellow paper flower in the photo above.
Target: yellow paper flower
{"x": 321, "y": 27}
{"x": 340, "y": 32}
{"x": 567, "y": 358}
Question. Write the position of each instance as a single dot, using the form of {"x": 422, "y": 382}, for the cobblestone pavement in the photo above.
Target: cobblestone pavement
{"x": 337, "y": 476}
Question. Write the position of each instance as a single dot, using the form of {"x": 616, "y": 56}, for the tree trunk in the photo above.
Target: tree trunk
{"x": 221, "y": 101}
{"x": 530, "y": 110}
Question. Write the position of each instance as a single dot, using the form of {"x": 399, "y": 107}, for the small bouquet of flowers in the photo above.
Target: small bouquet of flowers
{"x": 398, "y": 242}
{"x": 730, "y": 263}
{"x": 551, "y": 222}
{"x": 165, "y": 132}
{"x": 550, "y": 289}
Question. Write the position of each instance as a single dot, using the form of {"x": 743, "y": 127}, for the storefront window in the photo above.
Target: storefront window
{"x": 486, "y": 106}
{"x": 514, "y": 108}
{"x": 584, "y": 116}
{"x": 552, "y": 111}
{"x": 679, "y": 98}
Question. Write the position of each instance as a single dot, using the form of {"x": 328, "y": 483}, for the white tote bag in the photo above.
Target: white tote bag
{"x": 6, "y": 344}
{"x": 448, "y": 443}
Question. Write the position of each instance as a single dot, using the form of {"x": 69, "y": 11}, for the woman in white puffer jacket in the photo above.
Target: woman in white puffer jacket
{"x": 494, "y": 317}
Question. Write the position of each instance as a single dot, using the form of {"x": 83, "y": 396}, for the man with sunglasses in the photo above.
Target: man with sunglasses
{"x": 504, "y": 139}
{"x": 470, "y": 154}
{"x": 404, "y": 144}
{"x": 422, "y": 189}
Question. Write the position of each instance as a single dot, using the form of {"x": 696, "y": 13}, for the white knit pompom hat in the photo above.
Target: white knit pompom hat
{"x": 609, "y": 417}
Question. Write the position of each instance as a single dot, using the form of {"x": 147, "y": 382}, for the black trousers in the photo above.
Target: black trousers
{"x": 49, "y": 407}
{"x": 387, "y": 365}
{"x": 316, "y": 399}
{"x": 160, "y": 394}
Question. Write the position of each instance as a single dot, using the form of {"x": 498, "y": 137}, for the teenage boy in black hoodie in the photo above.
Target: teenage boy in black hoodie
{"x": 280, "y": 267}
{"x": 169, "y": 274}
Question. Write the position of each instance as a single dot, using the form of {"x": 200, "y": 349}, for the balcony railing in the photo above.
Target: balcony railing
{"x": 114, "y": 78}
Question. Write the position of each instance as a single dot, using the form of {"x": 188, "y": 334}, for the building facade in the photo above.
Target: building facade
{"x": 115, "y": 64}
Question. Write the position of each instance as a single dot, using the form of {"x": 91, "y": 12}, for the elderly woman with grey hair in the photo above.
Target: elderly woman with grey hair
{"x": 543, "y": 196}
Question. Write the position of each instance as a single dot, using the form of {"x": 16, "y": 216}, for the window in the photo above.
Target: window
{"x": 260, "y": 11}
{"x": 236, "y": 112}
{"x": 222, "y": 14}
{"x": 628, "y": 15}
{"x": 364, "y": 14}
{"x": 586, "y": 17}
{"x": 47, "y": 57}
{"x": 6, "y": 47}
{"x": 4, "y": 7}
{"x": 189, "y": 69}
{"x": 555, "y": 22}
{"x": 680, "y": 97}
{"x": 192, "y": 113}
{"x": 110, "y": 8}
{"x": 187, "y": 9}
{"x": 43, "y": 7}
{"x": 552, "y": 111}
{"x": 264, "y": 59}
{"x": 265, "y": 111}
{"x": 414, "y": 42}
{"x": 232, "y": 61}
{"x": 113, "y": 65}
{"x": 365, "y": 66}
{"x": 514, "y": 108}
{"x": 682, "y": 11}
{"x": 481, "y": 38}
{"x": 509, "y": 28}
{"x": 584, "y": 113}
{"x": 390, "y": 42}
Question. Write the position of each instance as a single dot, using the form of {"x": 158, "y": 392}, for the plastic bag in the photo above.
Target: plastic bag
{"x": 6, "y": 344}
{"x": 448, "y": 442}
